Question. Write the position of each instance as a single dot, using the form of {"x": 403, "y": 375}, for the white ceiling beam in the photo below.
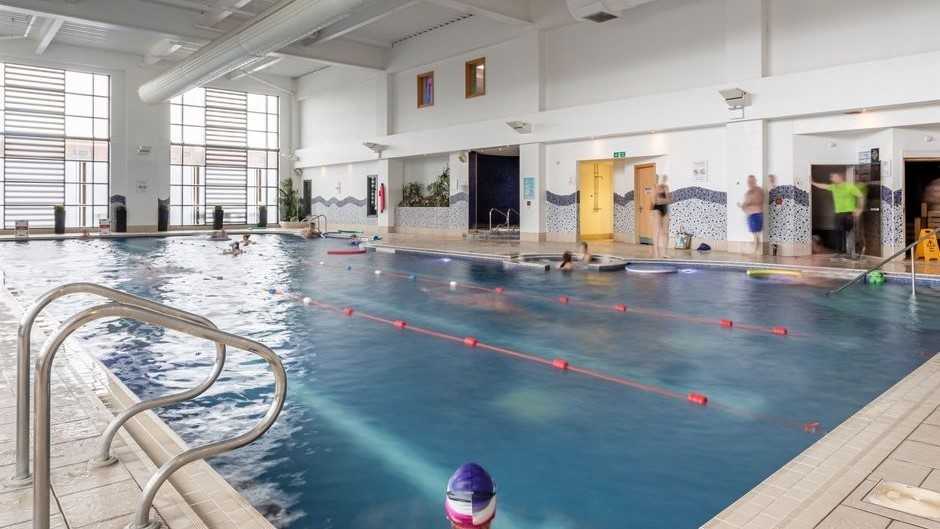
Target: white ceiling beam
{"x": 222, "y": 10}
{"x": 340, "y": 52}
{"x": 514, "y": 12}
{"x": 49, "y": 31}
{"x": 370, "y": 14}
{"x": 161, "y": 50}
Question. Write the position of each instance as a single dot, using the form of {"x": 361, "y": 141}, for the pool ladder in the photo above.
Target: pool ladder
{"x": 127, "y": 306}
{"x": 913, "y": 249}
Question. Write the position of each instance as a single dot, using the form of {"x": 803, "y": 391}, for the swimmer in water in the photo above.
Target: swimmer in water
{"x": 470, "y": 499}
{"x": 310, "y": 232}
{"x": 585, "y": 253}
{"x": 234, "y": 250}
{"x": 567, "y": 264}
{"x": 246, "y": 239}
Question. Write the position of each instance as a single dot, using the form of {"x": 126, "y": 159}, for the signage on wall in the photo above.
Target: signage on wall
{"x": 620, "y": 154}
{"x": 528, "y": 188}
{"x": 104, "y": 226}
{"x": 700, "y": 171}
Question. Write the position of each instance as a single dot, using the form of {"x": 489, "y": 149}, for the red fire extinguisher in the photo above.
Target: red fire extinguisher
{"x": 381, "y": 198}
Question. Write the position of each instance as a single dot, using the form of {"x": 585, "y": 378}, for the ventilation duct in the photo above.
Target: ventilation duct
{"x": 283, "y": 24}
{"x": 601, "y": 10}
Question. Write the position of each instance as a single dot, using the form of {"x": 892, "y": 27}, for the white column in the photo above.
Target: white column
{"x": 744, "y": 155}
{"x": 532, "y": 208}
{"x": 391, "y": 173}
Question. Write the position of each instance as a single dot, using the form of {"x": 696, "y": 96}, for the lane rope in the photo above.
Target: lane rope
{"x": 777, "y": 330}
{"x": 560, "y": 364}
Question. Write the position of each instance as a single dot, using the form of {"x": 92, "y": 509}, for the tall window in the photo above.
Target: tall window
{"x": 54, "y": 145}
{"x": 223, "y": 152}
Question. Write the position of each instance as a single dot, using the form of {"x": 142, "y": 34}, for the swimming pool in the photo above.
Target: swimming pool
{"x": 377, "y": 418}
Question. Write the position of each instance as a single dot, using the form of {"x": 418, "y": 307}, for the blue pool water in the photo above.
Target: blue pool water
{"x": 376, "y": 418}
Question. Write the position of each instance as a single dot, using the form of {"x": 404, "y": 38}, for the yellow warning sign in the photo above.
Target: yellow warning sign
{"x": 928, "y": 250}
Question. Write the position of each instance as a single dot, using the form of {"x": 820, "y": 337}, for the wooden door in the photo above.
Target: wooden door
{"x": 644, "y": 182}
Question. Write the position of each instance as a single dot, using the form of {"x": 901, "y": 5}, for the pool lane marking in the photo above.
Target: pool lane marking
{"x": 562, "y": 365}
{"x": 567, "y": 300}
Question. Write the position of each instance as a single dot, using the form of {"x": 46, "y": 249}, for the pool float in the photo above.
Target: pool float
{"x": 651, "y": 269}
{"x": 347, "y": 251}
{"x": 876, "y": 277}
{"x": 770, "y": 272}
{"x": 470, "y": 499}
{"x": 598, "y": 263}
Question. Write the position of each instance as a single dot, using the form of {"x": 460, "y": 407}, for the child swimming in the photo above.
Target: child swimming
{"x": 246, "y": 239}
{"x": 234, "y": 250}
{"x": 567, "y": 264}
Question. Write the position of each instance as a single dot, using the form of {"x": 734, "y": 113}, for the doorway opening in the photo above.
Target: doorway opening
{"x": 921, "y": 196}
{"x": 850, "y": 232}
{"x": 596, "y": 199}
{"x": 644, "y": 182}
{"x": 306, "y": 201}
{"x": 494, "y": 191}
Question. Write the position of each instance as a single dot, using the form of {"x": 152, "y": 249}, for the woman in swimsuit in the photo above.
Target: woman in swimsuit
{"x": 661, "y": 199}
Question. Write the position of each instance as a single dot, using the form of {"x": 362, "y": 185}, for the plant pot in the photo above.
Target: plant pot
{"x": 262, "y": 216}
{"x": 120, "y": 219}
{"x": 163, "y": 218}
{"x": 217, "y": 216}
{"x": 59, "y": 220}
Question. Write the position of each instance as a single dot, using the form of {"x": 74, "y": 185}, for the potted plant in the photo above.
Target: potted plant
{"x": 59, "y": 213}
{"x": 289, "y": 200}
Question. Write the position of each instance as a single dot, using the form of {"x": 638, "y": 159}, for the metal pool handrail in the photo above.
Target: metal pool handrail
{"x": 21, "y": 474}
{"x": 884, "y": 261}
{"x": 42, "y": 448}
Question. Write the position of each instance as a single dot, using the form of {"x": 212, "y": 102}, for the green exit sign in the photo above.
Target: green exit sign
{"x": 620, "y": 154}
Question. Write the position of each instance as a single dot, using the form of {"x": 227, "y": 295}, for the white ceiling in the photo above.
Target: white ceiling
{"x": 167, "y": 31}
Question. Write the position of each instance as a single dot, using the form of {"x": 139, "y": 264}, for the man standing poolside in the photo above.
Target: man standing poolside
{"x": 847, "y": 200}
{"x": 753, "y": 207}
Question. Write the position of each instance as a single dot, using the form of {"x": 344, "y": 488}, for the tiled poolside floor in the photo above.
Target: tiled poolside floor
{"x": 103, "y": 498}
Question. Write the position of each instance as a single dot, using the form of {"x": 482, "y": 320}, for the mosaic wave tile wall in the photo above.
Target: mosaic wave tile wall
{"x": 349, "y": 210}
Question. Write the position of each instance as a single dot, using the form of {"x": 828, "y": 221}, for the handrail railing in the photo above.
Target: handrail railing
{"x": 21, "y": 473}
{"x": 884, "y": 261}
{"x": 509, "y": 219}
{"x": 310, "y": 219}
{"x": 42, "y": 448}
{"x": 505, "y": 215}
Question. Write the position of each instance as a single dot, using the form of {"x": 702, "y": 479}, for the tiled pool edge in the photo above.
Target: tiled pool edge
{"x": 196, "y": 496}
{"x": 807, "y": 489}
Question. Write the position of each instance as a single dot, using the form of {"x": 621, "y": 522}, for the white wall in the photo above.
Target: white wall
{"x": 424, "y": 169}
{"x": 341, "y": 105}
{"x": 811, "y": 34}
{"x": 512, "y": 84}
{"x": 662, "y": 46}
{"x": 135, "y": 123}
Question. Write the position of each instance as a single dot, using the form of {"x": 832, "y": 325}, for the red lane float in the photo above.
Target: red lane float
{"x": 558, "y": 363}
{"x": 780, "y": 331}
{"x": 348, "y": 311}
{"x": 698, "y": 398}
{"x": 470, "y": 341}
{"x": 400, "y": 324}
{"x": 620, "y": 307}
{"x": 726, "y": 323}
{"x": 347, "y": 251}
{"x": 563, "y": 300}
